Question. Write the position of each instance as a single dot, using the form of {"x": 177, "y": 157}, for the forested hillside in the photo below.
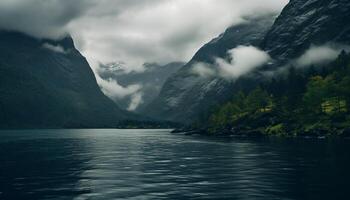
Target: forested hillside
{"x": 310, "y": 101}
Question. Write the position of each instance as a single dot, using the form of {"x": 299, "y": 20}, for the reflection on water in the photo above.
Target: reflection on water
{"x": 153, "y": 164}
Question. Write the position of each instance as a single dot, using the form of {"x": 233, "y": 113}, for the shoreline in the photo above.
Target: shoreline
{"x": 253, "y": 134}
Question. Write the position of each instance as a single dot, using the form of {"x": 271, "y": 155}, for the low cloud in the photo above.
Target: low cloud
{"x": 314, "y": 56}
{"x": 244, "y": 59}
{"x": 136, "y": 101}
{"x": 55, "y": 48}
{"x": 241, "y": 60}
{"x": 203, "y": 69}
{"x": 317, "y": 55}
{"x": 115, "y": 91}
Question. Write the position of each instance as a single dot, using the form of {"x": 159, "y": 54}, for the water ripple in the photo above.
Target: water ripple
{"x": 153, "y": 164}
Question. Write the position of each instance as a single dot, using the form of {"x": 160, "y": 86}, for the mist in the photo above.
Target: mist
{"x": 317, "y": 55}
{"x": 241, "y": 60}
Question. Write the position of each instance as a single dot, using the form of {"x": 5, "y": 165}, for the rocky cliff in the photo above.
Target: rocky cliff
{"x": 49, "y": 84}
{"x": 305, "y": 23}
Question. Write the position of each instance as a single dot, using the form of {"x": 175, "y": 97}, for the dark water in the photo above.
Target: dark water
{"x": 153, "y": 164}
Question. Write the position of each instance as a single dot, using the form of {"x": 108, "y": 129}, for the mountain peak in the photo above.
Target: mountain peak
{"x": 50, "y": 88}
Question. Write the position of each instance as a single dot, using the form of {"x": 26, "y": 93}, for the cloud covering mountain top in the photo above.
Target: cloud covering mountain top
{"x": 133, "y": 31}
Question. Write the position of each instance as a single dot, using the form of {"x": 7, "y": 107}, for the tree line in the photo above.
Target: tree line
{"x": 310, "y": 100}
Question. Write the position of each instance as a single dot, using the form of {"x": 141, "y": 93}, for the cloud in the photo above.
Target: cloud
{"x": 40, "y": 18}
{"x": 241, "y": 60}
{"x": 317, "y": 55}
{"x": 244, "y": 59}
{"x": 133, "y": 31}
{"x": 161, "y": 31}
{"x": 203, "y": 69}
{"x": 57, "y": 48}
{"x": 136, "y": 100}
{"x": 115, "y": 91}
{"x": 111, "y": 88}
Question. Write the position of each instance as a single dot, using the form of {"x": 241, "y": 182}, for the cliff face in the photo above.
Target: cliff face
{"x": 305, "y": 23}
{"x": 48, "y": 84}
{"x": 185, "y": 95}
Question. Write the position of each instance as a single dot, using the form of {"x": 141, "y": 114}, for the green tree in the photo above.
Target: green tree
{"x": 258, "y": 100}
{"x": 318, "y": 90}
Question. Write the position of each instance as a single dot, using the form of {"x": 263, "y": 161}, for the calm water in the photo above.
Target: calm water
{"x": 154, "y": 164}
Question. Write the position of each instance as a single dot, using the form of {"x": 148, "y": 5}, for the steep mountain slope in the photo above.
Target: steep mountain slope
{"x": 301, "y": 25}
{"x": 46, "y": 84}
{"x": 305, "y": 23}
{"x": 185, "y": 96}
{"x": 150, "y": 82}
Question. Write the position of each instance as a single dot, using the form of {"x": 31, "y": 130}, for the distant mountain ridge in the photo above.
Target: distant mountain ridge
{"x": 49, "y": 84}
{"x": 150, "y": 81}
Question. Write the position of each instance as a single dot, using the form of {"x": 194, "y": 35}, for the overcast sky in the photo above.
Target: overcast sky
{"x": 132, "y": 31}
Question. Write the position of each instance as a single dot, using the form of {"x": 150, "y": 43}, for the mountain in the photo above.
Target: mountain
{"x": 49, "y": 84}
{"x": 150, "y": 81}
{"x": 185, "y": 96}
{"x": 305, "y": 23}
{"x": 301, "y": 25}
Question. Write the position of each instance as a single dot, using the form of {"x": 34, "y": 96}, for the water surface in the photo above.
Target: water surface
{"x": 154, "y": 164}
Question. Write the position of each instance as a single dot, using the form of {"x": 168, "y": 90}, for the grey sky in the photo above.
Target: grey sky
{"x": 132, "y": 31}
